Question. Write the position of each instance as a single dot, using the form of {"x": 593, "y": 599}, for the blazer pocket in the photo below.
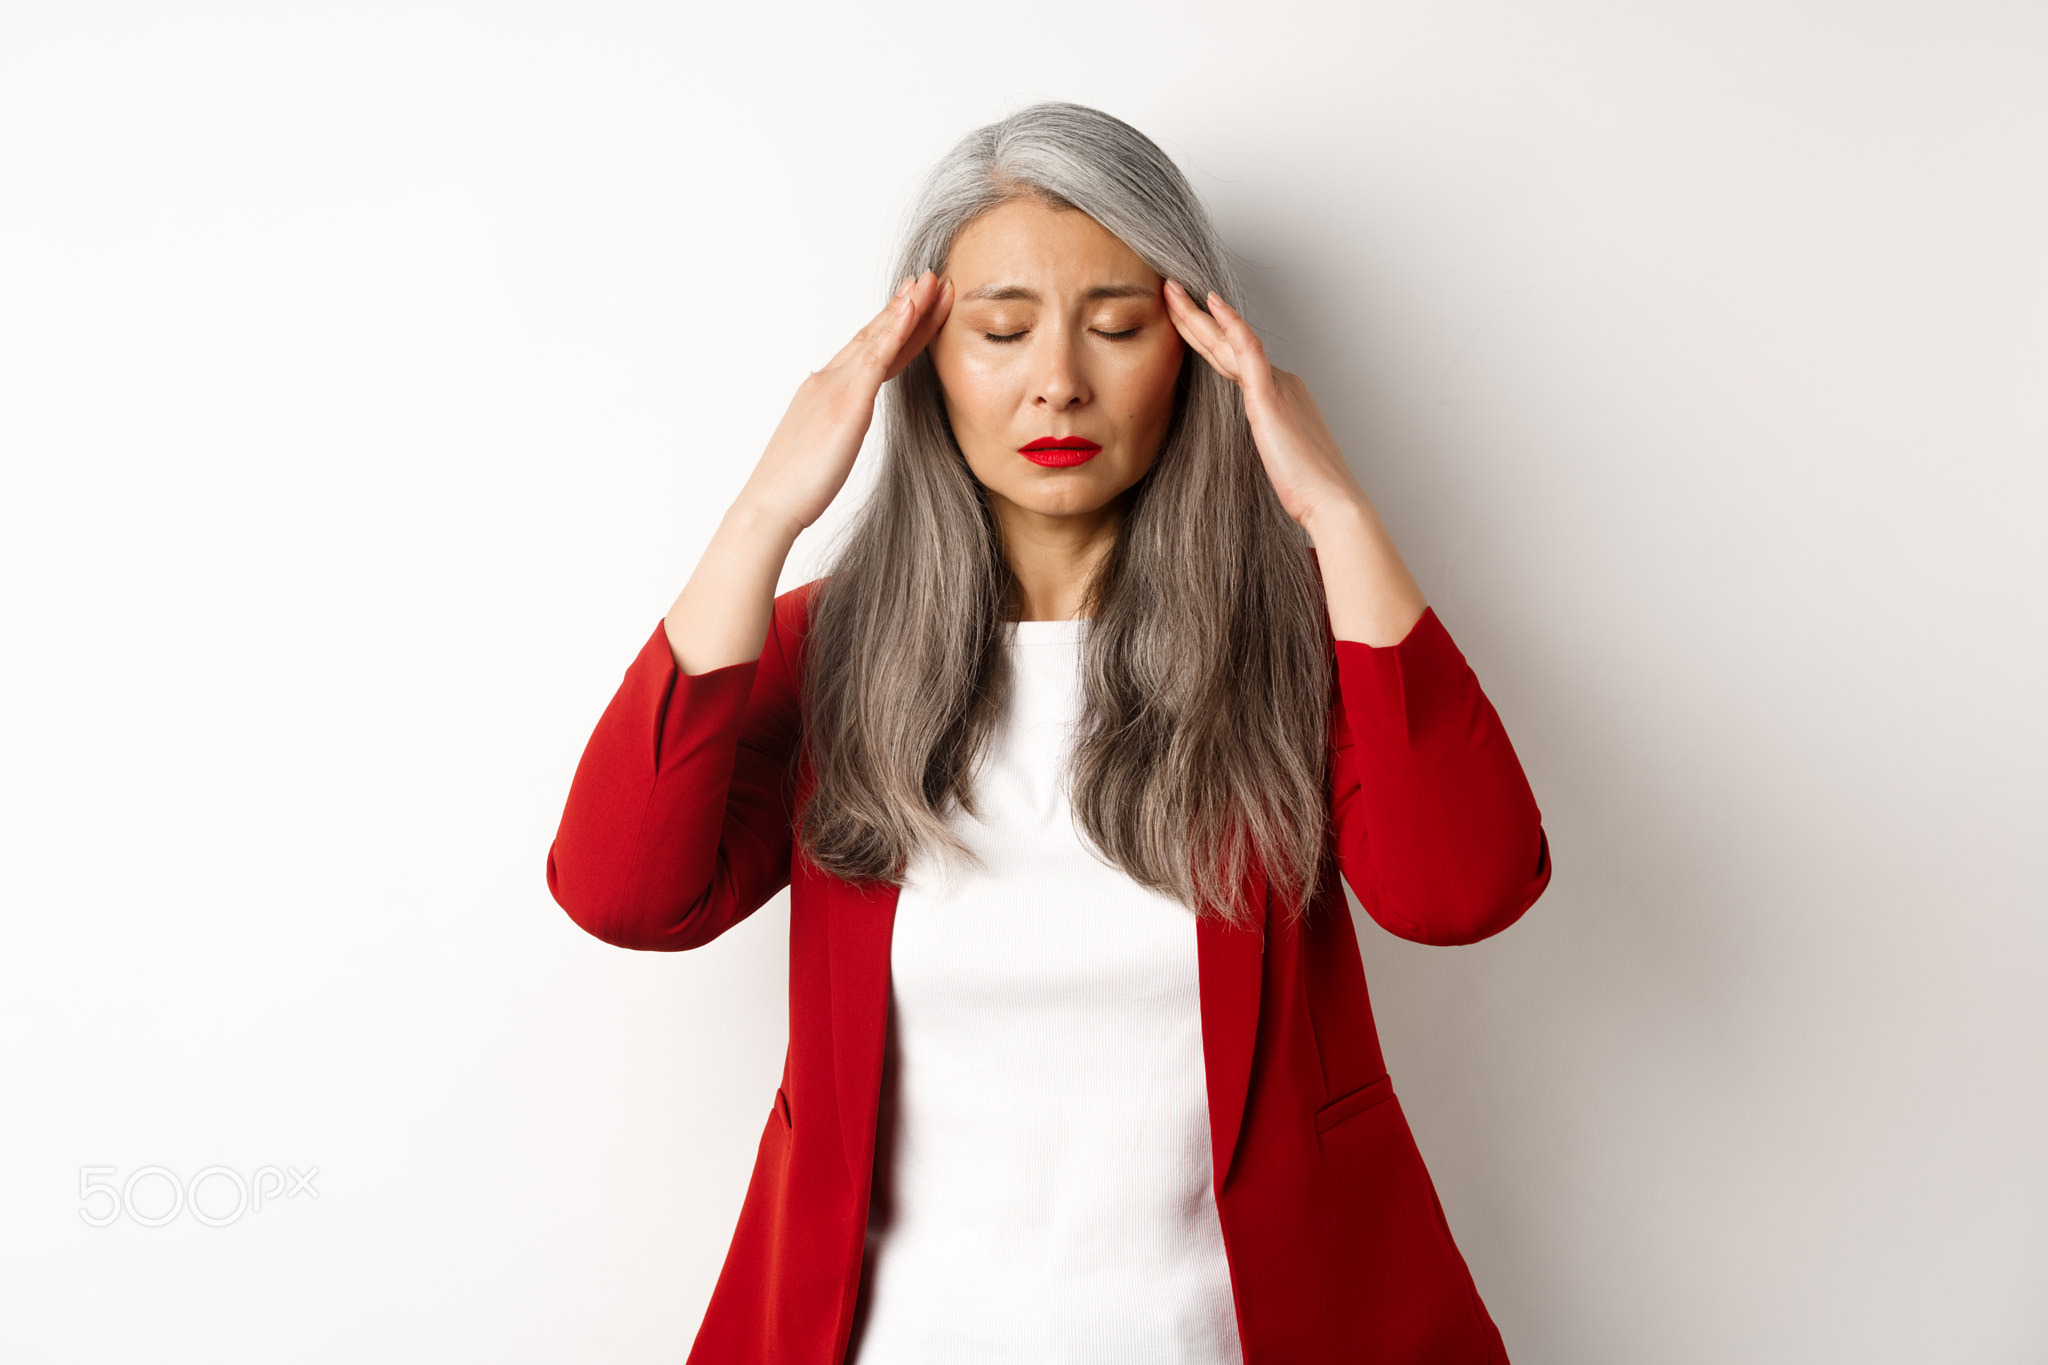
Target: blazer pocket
{"x": 782, "y": 1108}
{"x": 1354, "y": 1103}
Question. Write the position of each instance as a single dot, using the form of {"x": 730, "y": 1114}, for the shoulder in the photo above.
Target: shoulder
{"x": 793, "y": 610}
{"x": 788, "y": 626}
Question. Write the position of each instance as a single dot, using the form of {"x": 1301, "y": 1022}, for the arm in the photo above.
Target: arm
{"x": 1434, "y": 824}
{"x": 679, "y": 820}
{"x": 721, "y": 617}
{"x": 678, "y": 823}
{"x": 1432, "y": 818}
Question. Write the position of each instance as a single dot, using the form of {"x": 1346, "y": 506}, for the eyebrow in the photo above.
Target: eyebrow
{"x": 1005, "y": 292}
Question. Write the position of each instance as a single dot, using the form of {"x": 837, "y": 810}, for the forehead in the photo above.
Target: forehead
{"x": 1028, "y": 245}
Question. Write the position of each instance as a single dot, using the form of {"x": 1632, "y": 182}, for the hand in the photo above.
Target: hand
{"x": 1295, "y": 444}
{"x": 723, "y": 613}
{"x": 814, "y": 446}
{"x": 1370, "y": 595}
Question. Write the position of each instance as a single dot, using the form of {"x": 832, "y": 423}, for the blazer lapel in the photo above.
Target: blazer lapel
{"x": 1231, "y": 963}
{"x": 859, "y": 924}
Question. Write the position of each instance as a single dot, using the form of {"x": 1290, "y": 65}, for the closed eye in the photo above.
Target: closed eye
{"x": 1125, "y": 335}
{"x": 1004, "y": 336}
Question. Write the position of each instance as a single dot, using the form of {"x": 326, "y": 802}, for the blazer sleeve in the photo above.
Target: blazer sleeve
{"x": 679, "y": 819}
{"x": 1434, "y": 823}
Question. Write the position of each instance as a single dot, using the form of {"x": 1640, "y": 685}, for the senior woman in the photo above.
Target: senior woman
{"x": 1062, "y": 763}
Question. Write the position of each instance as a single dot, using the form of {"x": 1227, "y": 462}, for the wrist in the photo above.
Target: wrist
{"x": 761, "y": 521}
{"x": 1345, "y": 512}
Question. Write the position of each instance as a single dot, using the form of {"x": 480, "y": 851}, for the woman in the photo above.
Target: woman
{"x": 1061, "y": 764}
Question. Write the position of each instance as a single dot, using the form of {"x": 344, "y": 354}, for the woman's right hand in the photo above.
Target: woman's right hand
{"x": 723, "y": 614}
{"x": 815, "y": 444}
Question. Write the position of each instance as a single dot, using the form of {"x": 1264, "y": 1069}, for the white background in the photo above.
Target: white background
{"x": 371, "y": 374}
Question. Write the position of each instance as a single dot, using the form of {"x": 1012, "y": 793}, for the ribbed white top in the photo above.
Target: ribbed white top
{"x": 1043, "y": 1187}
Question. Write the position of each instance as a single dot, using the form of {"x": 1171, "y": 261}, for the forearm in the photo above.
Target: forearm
{"x": 721, "y": 617}
{"x": 1372, "y": 598}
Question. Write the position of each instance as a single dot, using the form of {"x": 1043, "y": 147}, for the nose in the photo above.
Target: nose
{"x": 1061, "y": 384}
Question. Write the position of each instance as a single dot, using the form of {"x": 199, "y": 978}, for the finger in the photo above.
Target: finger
{"x": 931, "y": 317}
{"x": 1199, "y": 330}
{"x": 1240, "y": 332}
{"x": 923, "y": 297}
{"x": 894, "y": 327}
{"x": 1188, "y": 315}
{"x": 861, "y": 342}
{"x": 1255, "y": 371}
{"x": 899, "y": 341}
{"x": 1197, "y": 343}
{"x": 883, "y": 332}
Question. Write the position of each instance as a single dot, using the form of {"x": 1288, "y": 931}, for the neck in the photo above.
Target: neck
{"x": 1054, "y": 558}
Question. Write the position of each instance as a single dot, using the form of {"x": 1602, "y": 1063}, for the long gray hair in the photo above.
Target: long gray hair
{"x": 1206, "y": 678}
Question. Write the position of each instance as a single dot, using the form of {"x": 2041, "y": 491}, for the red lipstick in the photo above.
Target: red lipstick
{"x": 1060, "y": 452}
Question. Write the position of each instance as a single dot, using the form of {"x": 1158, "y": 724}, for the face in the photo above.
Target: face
{"x": 1058, "y": 362}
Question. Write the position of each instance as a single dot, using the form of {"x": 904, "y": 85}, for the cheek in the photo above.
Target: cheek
{"x": 1147, "y": 383}
{"x": 977, "y": 394}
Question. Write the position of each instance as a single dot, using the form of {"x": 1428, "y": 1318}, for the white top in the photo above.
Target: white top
{"x": 1043, "y": 1189}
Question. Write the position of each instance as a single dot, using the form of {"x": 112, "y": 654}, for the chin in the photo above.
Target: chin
{"x": 1065, "y": 497}
{"x": 1080, "y": 491}
{"x": 1072, "y": 508}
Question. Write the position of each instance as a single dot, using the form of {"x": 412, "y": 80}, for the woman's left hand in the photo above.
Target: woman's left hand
{"x": 1300, "y": 454}
{"x": 1371, "y": 596}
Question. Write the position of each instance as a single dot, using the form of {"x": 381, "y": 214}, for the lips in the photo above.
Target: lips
{"x": 1060, "y": 452}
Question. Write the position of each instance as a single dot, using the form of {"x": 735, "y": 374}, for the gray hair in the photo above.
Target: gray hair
{"x": 1206, "y": 670}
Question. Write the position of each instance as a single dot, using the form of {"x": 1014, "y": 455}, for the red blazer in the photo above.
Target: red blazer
{"x": 678, "y": 826}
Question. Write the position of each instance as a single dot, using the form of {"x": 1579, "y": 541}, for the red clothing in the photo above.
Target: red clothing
{"x": 678, "y": 826}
